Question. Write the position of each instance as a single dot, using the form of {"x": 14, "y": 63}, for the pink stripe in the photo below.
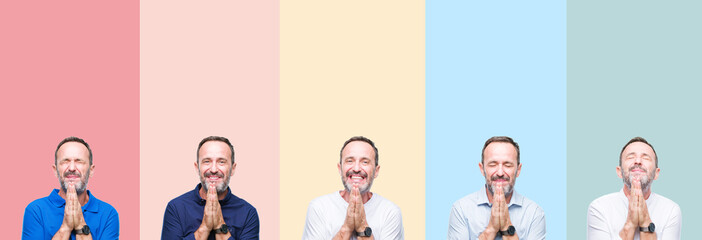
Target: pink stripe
{"x": 70, "y": 68}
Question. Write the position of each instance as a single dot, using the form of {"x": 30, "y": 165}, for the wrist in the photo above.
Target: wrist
{"x": 506, "y": 226}
{"x": 491, "y": 231}
{"x": 79, "y": 226}
{"x": 630, "y": 226}
{"x": 362, "y": 227}
{"x": 346, "y": 231}
{"x": 204, "y": 228}
{"x": 645, "y": 223}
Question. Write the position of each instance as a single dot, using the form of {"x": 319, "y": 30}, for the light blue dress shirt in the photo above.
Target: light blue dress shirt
{"x": 471, "y": 214}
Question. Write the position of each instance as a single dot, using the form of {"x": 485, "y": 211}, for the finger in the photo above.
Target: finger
{"x": 71, "y": 189}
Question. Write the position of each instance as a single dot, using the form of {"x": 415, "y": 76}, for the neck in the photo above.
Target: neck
{"x": 508, "y": 197}
{"x": 646, "y": 192}
{"x": 345, "y": 194}
{"x": 203, "y": 194}
{"x": 82, "y": 198}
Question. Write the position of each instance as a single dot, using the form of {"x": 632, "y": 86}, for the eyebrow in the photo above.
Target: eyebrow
{"x": 634, "y": 153}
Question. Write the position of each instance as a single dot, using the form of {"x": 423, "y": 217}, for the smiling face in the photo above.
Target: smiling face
{"x": 215, "y": 165}
{"x": 638, "y": 162}
{"x": 357, "y": 166}
{"x": 500, "y": 166}
{"x": 73, "y": 166}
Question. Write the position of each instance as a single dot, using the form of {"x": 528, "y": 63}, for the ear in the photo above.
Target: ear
{"x": 233, "y": 168}
{"x": 377, "y": 170}
{"x": 619, "y": 172}
{"x": 92, "y": 170}
{"x": 338, "y": 166}
{"x": 55, "y": 172}
{"x": 655, "y": 176}
{"x": 482, "y": 170}
{"x": 519, "y": 170}
{"x": 197, "y": 169}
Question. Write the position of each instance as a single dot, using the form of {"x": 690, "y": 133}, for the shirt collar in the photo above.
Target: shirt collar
{"x": 59, "y": 202}
{"x": 201, "y": 201}
{"x": 517, "y": 199}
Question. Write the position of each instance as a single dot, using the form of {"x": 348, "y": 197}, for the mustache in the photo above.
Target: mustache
{"x": 68, "y": 174}
{"x": 349, "y": 173}
{"x": 208, "y": 174}
{"x": 638, "y": 167}
{"x": 494, "y": 178}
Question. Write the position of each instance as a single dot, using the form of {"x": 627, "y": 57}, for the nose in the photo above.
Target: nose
{"x": 213, "y": 168}
{"x": 72, "y": 166}
{"x": 356, "y": 166}
{"x": 500, "y": 171}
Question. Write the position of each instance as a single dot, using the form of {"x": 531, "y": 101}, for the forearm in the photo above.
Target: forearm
{"x": 201, "y": 233}
{"x": 223, "y": 236}
{"x": 366, "y": 238}
{"x": 627, "y": 232}
{"x": 343, "y": 234}
{"x": 513, "y": 237}
{"x": 488, "y": 234}
{"x": 63, "y": 233}
{"x": 648, "y": 236}
{"x": 84, "y": 237}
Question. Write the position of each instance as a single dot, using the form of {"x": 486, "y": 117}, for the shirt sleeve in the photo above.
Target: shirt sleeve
{"x": 314, "y": 224}
{"x": 31, "y": 224}
{"x": 393, "y": 229}
{"x": 251, "y": 227}
{"x": 537, "y": 230}
{"x": 458, "y": 227}
{"x": 171, "y": 225}
{"x": 111, "y": 230}
{"x": 596, "y": 223}
{"x": 674, "y": 226}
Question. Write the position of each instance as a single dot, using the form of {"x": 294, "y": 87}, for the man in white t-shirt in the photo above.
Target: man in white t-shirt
{"x": 355, "y": 212}
{"x": 635, "y": 212}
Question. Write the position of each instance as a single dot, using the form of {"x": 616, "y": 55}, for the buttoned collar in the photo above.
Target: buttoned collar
{"x": 516, "y": 199}
{"x": 201, "y": 201}
{"x": 59, "y": 202}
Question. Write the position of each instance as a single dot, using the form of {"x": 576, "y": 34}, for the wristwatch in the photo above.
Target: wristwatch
{"x": 85, "y": 230}
{"x": 222, "y": 229}
{"x": 509, "y": 232}
{"x": 366, "y": 232}
{"x": 651, "y": 228}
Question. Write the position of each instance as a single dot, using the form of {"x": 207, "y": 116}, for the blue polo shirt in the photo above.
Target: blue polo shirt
{"x": 184, "y": 215}
{"x": 43, "y": 218}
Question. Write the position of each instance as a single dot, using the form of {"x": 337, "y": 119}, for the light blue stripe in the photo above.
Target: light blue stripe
{"x": 495, "y": 68}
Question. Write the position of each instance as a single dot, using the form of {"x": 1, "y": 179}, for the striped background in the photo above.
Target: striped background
{"x": 289, "y": 81}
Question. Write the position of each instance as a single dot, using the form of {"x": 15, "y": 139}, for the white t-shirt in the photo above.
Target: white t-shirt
{"x": 606, "y": 216}
{"x": 327, "y": 213}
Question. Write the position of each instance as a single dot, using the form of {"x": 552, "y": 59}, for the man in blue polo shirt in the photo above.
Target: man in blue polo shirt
{"x": 71, "y": 212}
{"x": 211, "y": 211}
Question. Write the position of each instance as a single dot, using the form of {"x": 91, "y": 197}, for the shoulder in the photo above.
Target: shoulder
{"x": 387, "y": 205}
{"x": 243, "y": 204}
{"x": 531, "y": 205}
{"x": 466, "y": 201}
{"x": 181, "y": 200}
{"x": 104, "y": 206}
{"x": 664, "y": 201}
{"x": 37, "y": 205}
{"x": 324, "y": 200}
{"x": 604, "y": 200}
